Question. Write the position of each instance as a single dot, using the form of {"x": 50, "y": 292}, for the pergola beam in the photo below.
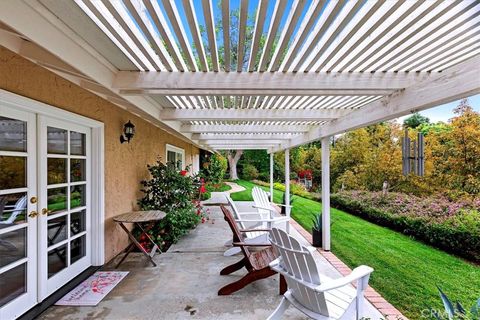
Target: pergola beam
{"x": 270, "y": 142}
{"x": 452, "y": 84}
{"x": 251, "y": 114}
{"x": 231, "y": 82}
{"x": 239, "y": 128}
{"x": 242, "y": 136}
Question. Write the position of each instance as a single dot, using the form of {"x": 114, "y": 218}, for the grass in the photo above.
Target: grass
{"x": 406, "y": 271}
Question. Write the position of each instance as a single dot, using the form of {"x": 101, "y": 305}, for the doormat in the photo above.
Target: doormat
{"x": 91, "y": 291}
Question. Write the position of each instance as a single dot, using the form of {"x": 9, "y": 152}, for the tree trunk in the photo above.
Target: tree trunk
{"x": 233, "y": 158}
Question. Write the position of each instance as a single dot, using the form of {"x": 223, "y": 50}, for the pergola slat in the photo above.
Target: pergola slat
{"x": 122, "y": 17}
{"x": 459, "y": 21}
{"x": 167, "y": 37}
{"x": 195, "y": 32}
{"x": 439, "y": 43}
{"x": 292, "y": 19}
{"x": 403, "y": 26}
{"x": 146, "y": 26}
{"x": 210, "y": 26}
{"x": 377, "y": 37}
{"x": 303, "y": 31}
{"x": 331, "y": 10}
{"x": 257, "y": 33}
{"x": 272, "y": 32}
{"x": 389, "y": 8}
{"x": 176, "y": 22}
{"x": 241, "y": 34}
{"x": 134, "y": 56}
{"x": 435, "y": 22}
{"x": 339, "y": 23}
{"x": 350, "y": 30}
{"x": 226, "y": 33}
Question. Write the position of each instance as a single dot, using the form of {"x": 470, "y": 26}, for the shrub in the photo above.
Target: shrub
{"x": 446, "y": 225}
{"x": 213, "y": 171}
{"x": 249, "y": 172}
{"x": 172, "y": 192}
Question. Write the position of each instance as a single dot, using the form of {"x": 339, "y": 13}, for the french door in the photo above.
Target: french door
{"x": 18, "y": 212}
{"x": 63, "y": 202}
{"x": 45, "y": 237}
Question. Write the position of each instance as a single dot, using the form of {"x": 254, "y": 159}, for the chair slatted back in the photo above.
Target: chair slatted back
{"x": 236, "y": 213}
{"x": 260, "y": 198}
{"x": 237, "y": 235}
{"x": 299, "y": 266}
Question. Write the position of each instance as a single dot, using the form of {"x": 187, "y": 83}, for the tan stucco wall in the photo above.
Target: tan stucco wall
{"x": 125, "y": 164}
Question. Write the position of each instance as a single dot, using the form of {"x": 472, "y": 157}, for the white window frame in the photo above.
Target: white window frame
{"x": 175, "y": 149}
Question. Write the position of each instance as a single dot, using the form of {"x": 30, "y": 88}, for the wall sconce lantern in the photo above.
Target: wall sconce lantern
{"x": 128, "y": 132}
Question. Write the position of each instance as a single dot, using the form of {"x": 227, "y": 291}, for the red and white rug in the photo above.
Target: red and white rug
{"x": 91, "y": 291}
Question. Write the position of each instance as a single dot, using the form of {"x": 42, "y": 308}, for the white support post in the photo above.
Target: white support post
{"x": 326, "y": 193}
{"x": 271, "y": 177}
{"x": 287, "y": 188}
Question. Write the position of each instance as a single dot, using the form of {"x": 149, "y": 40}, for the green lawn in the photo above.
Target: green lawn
{"x": 406, "y": 271}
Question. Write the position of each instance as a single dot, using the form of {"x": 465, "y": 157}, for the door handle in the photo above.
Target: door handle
{"x": 33, "y": 214}
{"x": 33, "y": 200}
{"x": 46, "y": 211}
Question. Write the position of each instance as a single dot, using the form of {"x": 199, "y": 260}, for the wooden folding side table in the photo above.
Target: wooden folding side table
{"x": 137, "y": 218}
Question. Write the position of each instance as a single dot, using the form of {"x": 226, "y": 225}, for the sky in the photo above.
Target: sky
{"x": 445, "y": 111}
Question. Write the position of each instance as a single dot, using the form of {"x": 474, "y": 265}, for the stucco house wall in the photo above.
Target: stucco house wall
{"x": 125, "y": 164}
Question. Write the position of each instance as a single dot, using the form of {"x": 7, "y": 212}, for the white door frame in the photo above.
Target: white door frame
{"x": 98, "y": 171}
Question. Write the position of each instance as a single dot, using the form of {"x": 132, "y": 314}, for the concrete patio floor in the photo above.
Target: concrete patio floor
{"x": 187, "y": 277}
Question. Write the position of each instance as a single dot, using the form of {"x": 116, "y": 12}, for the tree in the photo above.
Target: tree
{"x": 233, "y": 156}
{"x": 415, "y": 121}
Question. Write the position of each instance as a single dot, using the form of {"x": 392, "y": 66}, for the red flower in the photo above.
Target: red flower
{"x": 183, "y": 172}
{"x": 202, "y": 189}
{"x": 203, "y": 220}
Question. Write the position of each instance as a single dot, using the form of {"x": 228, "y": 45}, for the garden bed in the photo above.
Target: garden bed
{"x": 447, "y": 225}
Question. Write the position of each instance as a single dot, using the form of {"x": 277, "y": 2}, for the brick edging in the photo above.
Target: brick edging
{"x": 387, "y": 309}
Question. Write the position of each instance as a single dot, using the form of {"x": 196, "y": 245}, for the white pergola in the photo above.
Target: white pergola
{"x": 312, "y": 69}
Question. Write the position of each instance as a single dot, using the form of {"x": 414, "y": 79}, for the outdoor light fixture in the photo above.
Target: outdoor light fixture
{"x": 128, "y": 132}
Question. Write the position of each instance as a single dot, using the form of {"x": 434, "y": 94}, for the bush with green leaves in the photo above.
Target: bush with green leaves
{"x": 214, "y": 169}
{"x": 249, "y": 172}
{"x": 170, "y": 191}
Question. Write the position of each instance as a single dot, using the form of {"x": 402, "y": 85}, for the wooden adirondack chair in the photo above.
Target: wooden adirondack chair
{"x": 317, "y": 296}
{"x": 256, "y": 263}
{"x": 255, "y": 222}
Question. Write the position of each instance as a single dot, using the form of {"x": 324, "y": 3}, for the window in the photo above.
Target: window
{"x": 175, "y": 157}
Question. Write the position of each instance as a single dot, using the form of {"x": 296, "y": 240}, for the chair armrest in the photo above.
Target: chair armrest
{"x": 265, "y": 208}
{"x": 355, "y": 275}
{"x": 255, "y": 230}
{"x": 243, "y": 244}
{"x": 283, "y": 205}
{"x": 248, "y": 213}
{"x": 274, "y": 220}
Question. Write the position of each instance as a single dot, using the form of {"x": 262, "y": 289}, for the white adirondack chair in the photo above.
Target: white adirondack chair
{"x": 262, "y": 202}
{"x": 251, "y": 220}
{"x": 317, "y": 296}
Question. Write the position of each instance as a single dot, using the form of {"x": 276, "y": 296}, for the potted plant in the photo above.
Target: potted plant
{"x": 317, "y": 230}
